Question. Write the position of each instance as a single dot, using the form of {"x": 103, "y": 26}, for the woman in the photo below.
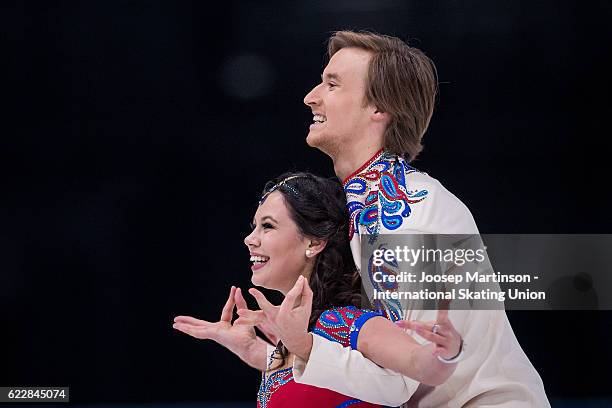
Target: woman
{"x": 300, "y": 241}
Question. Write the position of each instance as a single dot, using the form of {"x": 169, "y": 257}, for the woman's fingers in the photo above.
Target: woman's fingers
{"x": 429, "y": 335}
{"x": 405, "y": 324}
{"x": 245, "y": 321}
{"x": 239, "y": 299}
{"x": 408, "y": 324}
{"x": 226, "y": 314}
{"x": 414, "y": 324}
{"x": 307, "y": 295}
{"x": 291, "y": 296}
{"x": 425, "y": 329}
{"x": 194, "y": 331}
{"x": 263, "y": 303}
{"x": 190, "y": 320}
{"x": 257, "y": 316}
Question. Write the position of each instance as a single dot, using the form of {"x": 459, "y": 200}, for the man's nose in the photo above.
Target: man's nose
{"x": 312, "y": 98}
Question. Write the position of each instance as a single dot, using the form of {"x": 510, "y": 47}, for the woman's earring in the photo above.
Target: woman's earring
{"x": 308, "y": 252}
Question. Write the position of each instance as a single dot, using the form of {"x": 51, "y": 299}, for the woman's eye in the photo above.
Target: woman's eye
{"x": 267, "y": 225}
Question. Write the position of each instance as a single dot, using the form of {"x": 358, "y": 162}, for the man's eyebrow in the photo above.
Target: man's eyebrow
{"x": 331, "y": 75}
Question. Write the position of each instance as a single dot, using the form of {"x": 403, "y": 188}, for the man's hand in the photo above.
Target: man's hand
{"x": 446, "y": 338}
{"x": 289, "y": 321}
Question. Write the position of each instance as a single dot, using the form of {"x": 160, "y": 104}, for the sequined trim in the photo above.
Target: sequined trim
{"x": 377, "y": 195}
{"x": 349, "y": 403}
{"x": 356, "y": 327}
{"x": 342, "y": 324}
{"x": 270, "y": 385}
{"x": 363, "y": 166}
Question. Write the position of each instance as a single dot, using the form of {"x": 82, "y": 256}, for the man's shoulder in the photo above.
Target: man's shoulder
{"x": 419, "y": 180}
{"x": 439, "y": 210}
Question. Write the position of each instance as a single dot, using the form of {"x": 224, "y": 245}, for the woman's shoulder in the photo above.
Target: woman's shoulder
{"x": 342, "y": 324}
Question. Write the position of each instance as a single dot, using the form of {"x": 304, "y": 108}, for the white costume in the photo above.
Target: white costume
{"x": 387, "y": 195}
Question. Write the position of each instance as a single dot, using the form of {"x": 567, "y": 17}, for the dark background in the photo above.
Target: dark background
{"x": 136, "y": 136}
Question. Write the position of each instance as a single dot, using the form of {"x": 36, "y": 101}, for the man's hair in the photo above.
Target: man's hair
{"x": 401, "y": 81}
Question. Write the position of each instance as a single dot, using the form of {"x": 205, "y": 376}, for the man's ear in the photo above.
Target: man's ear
{"x": 315, "y": 247}
{"x": 380, "y": 116}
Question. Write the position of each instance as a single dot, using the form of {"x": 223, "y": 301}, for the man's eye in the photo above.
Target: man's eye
{"x": 332, "y": 85}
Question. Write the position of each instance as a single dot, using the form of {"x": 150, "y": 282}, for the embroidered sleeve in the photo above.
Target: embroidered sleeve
{"x": 342, "y": 324}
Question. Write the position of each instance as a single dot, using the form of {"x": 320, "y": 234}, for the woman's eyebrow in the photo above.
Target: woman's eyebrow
{"x": 268, "y": 217}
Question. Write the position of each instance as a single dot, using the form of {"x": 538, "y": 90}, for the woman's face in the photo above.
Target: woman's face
{"x": 277, "y": 249}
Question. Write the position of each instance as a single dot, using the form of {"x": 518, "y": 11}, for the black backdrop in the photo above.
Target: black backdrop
{"x": 137, "y": 134}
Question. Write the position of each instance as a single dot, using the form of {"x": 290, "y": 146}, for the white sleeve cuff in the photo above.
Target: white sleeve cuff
{"x": 348, "y": 372}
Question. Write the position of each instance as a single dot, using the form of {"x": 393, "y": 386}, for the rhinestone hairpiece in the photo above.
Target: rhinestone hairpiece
{"x": 277, "y": 185}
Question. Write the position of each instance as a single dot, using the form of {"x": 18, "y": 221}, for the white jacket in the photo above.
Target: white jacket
{"x": 386, "y": 195}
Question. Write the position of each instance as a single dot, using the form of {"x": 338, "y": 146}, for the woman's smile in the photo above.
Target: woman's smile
{"x": 258, "y": 261}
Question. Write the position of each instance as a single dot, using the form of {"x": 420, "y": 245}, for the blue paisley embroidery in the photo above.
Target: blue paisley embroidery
{"x": 393, "y": 306}
{"x": 378, "y": 195}
{"x": 356, "y": 186}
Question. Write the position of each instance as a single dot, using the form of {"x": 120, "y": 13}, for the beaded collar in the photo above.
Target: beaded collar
{"x": 376, "y": 156}
{"x": 271, "y": 383}
{"x": 377, "y": 195}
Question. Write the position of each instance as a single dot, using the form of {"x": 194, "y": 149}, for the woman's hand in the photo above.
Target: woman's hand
{"x": 240, "y": 339}
{"x": 289, "y": 321}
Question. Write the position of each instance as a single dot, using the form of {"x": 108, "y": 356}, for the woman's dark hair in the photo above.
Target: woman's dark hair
{"x": 318, "y": 207}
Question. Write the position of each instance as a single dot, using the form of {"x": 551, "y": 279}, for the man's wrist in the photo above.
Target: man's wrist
{"x": 456, "y": 358}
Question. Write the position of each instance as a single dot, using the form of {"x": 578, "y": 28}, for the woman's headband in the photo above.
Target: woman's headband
{"x": 278, "y": 185}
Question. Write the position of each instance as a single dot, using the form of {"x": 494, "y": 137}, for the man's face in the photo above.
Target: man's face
{"x": 337, "y": 103}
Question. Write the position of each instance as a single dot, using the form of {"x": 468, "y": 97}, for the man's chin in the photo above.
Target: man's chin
{"x": 321, "y": 143}
{"x": 314, "y": 140}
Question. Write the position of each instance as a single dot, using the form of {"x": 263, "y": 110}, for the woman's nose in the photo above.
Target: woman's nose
{"x": 251, "y": 240}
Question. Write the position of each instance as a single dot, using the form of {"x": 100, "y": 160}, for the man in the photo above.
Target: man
{"x": 370, "y": 112}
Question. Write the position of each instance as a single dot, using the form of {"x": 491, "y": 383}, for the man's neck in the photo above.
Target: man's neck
{"x": 348, "y": 160}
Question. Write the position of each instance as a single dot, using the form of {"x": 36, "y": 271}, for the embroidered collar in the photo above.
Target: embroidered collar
{"x": 377, "y": 194}
{"x": 365, "y": 165}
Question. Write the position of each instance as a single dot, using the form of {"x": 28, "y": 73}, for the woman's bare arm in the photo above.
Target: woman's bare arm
{"x": 389, "y": 346}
